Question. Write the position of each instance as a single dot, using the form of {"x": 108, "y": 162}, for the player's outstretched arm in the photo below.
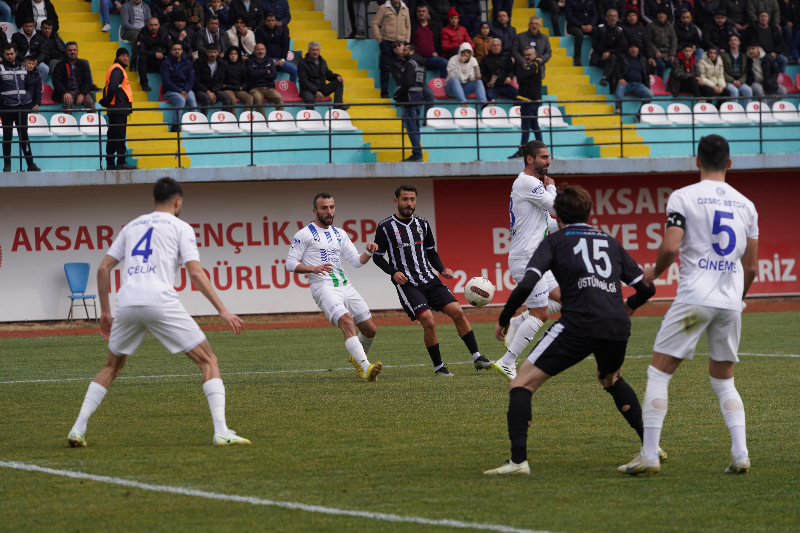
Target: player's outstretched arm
{"x": 203, "y": 284}
{"x": 103, "y": 284}
{"x": 366, "y": 256}
{"x": 666, "y": 253}
{"x": 750, "y": 264}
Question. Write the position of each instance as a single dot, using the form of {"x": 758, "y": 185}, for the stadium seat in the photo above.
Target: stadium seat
{"x": 289, "y": 92}
{"x": 37, "y": 126}
{"x": 679, "y": 114}
{"x": 733, "y": 113}
{"x": 309, "y": 120}
{"x": 785, "y": 112}
{"x": 437, "y": 86}
{"x": 77, "y": 279}
{"x": 62, "y": 124}
{"x": 515, "y": 116}
{"x": 281, "y": 121}
{"x": 341, "y": 120}
{"x": 657, "y": 86}
{"x": 653, "y": 114}
{"x": 9, "y": 29}
{"x": 88, "y": 124}
{"x": 195, "y": 123}
{"x": 440, "y": 118}
{"x": 549, "y": 116}
{"x": 254, "y": 120}
{"x": 760, "y": 112}
{"x": 495, "y": 117}
{"x": 797, "y": 80}
{"x": 47, "y": 95}
{"x": 514, "y": 83}
{"x": 161, "y": 94}
{"x": 786, "y": 81}
{"x": 224, "y": 122}
{"x": 467, "y": 117}
{"x": 706, "y": 114}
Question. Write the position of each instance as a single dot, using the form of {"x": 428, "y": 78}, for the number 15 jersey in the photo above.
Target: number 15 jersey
{"x": 717, "y": 220}
{"x": 153, "y": 247}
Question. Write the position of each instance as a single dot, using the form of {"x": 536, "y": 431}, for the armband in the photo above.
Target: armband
{"x": 676, "y": 219}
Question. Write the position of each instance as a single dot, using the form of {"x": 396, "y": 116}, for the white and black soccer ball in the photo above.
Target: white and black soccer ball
{"x": 479, "y": 291}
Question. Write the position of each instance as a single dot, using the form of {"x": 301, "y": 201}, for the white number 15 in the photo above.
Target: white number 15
{"x": 599, "y": 255}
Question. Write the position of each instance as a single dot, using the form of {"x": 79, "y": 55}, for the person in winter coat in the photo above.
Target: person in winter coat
{"x": 179, "y": 31}
{"x": 635, "y": 6}
{"x": 684, "y": 78}
{"x": 216, "y": 8}
{"x": 770, "y": 39}
{"x": 771, "y": 7}
{"x": 482, "y": 42}
{"x": 581, "y": 21}
{"x": 736, "y": 11}
{"x": 255, "y": 12}
{"x": 36, "y": 11}
{"x": 464, "y": 76}
{"x": 734, "y": 62}
{"x": 651, "y": 8}
{"x": 505, "y": 32}
{"x": 529, "y": 77}
{"x": 16, "y": 98}
{"x": 426, "y": 38}
{"x": 276, "y": 40}
{"x": 471, "y": 15}
{"x": 497, "y": 70}
{"x": 28, "y": 42}
{"x": 533, "y": 38}
{"x": 665, "y": 42}
{"x": 704, "y": 11}
{"x": 630, "y": 71}
{"x": 712, "y": 75}
{"x": 152, "y": 43}
{"x": 762, "y": 74}
{"x": 279, "y": 7}
{"x": 391, "y": 23}
{"x": 410, "y": 89}
{"x": 242, "y": 38}
{"x": 608, "y": 42}
{"x": 56, "y": 49}
{"x": 261, "y": 74}
{"x": 195, "y": 15}
{"x": 453, "y": 36}
{"x": 209, "y": 75}
{"x": 211, "y": 34}
{"x": 688, "y": 33}
{"x": 234, "y": 78}
{"x": 72, "y": 80}
{"x": 177, "y": 79}
{"x": 602, "y": 7}
{"x": 36, "y": 80}
{"x": 317, "y": 81}
{"x": 716, "y": 35}
{"x": 635, "y": 32}
{"x": 118, "y": 100}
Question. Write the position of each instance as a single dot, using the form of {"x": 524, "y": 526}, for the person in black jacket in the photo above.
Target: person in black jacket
{"x": 25, "y": 11}
{"x": 581, "y": 20}
{"x": 410, "y": 90}
{"x": 426, "y": 37}
{"x": 72, "y": 80}
{"x": 650, "y": 9}
{"x": 55, "y": 46}
{"x": 398, "y": 61}
{"x": 688, "y": 33}
{"x": 276, "y": 39}
{"x": 716, "y": 35}
{"x": 602, "y": 7}
{"x": 497, "y": 69}
{"x": 234, "y": 78}
{"x": 153, "y": 43}
{"x": 704, "y": 11}
{"x": 317, "y": 81}
{"x": 118, "y": 107}
{"x": 36, "y": 81}
{"x": 209, "y": 74}
{"x": 16, "y": 98}
{"x": 631, "y": 75}
{"x": 179, "y": 31}
{"x": 736, "y": 11}
{"x": 608, "y": 42}
{"x": 164, "y": 10}
{"x": 30, "y": 43}
{"x": 471, "y": 15}
{"x": 635, "y": 32}
{"x": 254, "y": 13}
{"x": 763, "y": 80}
{"x": 529, "y": 77}
{"x": 261, "y": 74}
{"x": 770, "y": 39}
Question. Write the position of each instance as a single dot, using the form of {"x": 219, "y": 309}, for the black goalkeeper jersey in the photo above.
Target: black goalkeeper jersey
{"x": 404, "y": 244}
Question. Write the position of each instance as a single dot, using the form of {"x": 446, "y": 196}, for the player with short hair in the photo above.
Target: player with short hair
{"x": 407, "y": 241}
{"x": 531, "y": 205}
{"x": 153, "y": 247}
{"x": 589, "y": 266}
{"x": 715, "y": 229}
{"x": 317, "y": 250}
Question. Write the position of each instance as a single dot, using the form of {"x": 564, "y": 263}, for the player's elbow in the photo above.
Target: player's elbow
{"x": 291, "y": 266}
{"x": 750, "y": 268}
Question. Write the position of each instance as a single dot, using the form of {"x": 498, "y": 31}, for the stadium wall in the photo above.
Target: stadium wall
{"x": 244, "y": 230}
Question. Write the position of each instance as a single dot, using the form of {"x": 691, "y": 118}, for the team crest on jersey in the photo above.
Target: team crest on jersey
{"x": 720, "y": 191}
{"x": 419, "y": 230}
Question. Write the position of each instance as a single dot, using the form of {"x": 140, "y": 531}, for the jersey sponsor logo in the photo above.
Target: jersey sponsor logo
{"x": 591, "y": 281}
{"x": 719, "y": 266}
{"x": 720, "y": 191}
{"x": 538, "y": 190}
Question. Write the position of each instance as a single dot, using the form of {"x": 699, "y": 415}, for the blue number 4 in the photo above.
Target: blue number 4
{"x": 718, "y": 228}
{"x": 147, "y": 251}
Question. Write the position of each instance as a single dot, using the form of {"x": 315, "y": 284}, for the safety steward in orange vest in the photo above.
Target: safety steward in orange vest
{"x": 118, "y": 100}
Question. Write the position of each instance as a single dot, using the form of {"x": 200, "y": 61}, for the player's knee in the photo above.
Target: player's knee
{"x": 368, "y": 329}
{"x": 539, "y": 313}
{"x": 426, "y": 320}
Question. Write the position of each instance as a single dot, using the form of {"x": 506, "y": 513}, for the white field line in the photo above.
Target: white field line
{"x": 271, "y": 503}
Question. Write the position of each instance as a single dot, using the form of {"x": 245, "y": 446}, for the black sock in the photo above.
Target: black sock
{"x": 519, "y": 414}
{"x": 624, "y": 396}
{"x": 469, "y": 340}
{"x": 436, "y": 357}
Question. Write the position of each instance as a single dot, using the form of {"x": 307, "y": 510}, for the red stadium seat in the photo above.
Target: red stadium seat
{"x": 289, "y": 92}
{"x": 47, "y": 95}
{"x": 797, "y": 80}
{"x": 161, "y": 94}
{"x": 786, "y": 81}
{"x": 657, "y": 86}
{"x": 514, "y": 83}
{"x": 437, "y": 86}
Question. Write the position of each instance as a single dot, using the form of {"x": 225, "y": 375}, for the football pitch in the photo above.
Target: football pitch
{"x": 333, "y": 453}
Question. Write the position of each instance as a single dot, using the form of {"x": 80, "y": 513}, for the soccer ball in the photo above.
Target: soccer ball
{"x": 479, "y": 291}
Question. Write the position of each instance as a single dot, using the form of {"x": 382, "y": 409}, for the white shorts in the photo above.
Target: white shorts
{"x": 335, "y": 302}
{"x": 538, "y": 298}
{"x": 171, "y": 325}
{"x": 684, "y": 324}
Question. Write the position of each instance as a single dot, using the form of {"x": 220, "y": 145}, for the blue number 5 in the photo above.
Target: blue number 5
{"x": 511, "y": 212}
{"x": 721, "y": 228}
{"x": 147, "y": 251}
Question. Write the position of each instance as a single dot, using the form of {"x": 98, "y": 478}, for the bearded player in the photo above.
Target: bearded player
{"x": 317, "y": 250}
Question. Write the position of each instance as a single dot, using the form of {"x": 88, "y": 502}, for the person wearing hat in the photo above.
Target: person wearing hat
{"x": 637, "y": 33}
{"x": 464, "y": 76}
{"x": 118, "y": 101}
{"x": 665, "y": 41}
{"x": 716, "y": 35}
{"x": 391, "y": 23}
{"x": 453, "y": 35}
{"x": 179, "y": 32}
{"x": 153, "y": 42}
{"x": 770, "y": 39}
{"x": 705, "y": 11}
{"x": 755, "y": 7}
{"x": 651, "y": 8}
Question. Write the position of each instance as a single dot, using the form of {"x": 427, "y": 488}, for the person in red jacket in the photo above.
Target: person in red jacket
{"x": 453, "y": 35}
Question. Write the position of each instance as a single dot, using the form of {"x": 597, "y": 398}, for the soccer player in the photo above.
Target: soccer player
{"x": 588, "y": 265}
{"x": 531, "y": 205}
{"x": 715, "y": 229}
{"x": 317, "y": 250}
{"x": 153, "y": 247}
{"x": 411, "y": 248}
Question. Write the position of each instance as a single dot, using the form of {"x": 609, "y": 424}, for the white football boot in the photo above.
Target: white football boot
{"x": 739, "y": 465}
{"x": 510, "y": 468}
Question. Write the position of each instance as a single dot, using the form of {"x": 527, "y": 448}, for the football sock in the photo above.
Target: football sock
{"x": 366, "y": 342}
{"x": 654, "y": 410}
{"x": 553, "y": 307}
{"x": 472, "y": 344}
{"x": 436, "y": 357}
{"x": 519, "y": 319}
{"x": 519, "y": 415}
{"x": 524, "y": 336}
{"x": 94, "y": 395}
{"x": 628, "y": 404}
{"x": 214, "y": 390}
{"x": 733, "y": 412}
{"x": 353, "y": 345}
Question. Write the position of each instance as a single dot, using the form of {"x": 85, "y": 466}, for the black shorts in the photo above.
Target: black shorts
{"x": 559, "y": 349}
{"x": 416, "y": 299}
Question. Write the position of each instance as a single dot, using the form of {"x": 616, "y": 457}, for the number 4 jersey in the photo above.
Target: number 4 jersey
{"x": 717, "y": 220}
{"x": 153, "y": 247}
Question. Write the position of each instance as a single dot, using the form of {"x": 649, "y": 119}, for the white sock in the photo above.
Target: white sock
{"x": 509, "y": 359}
{"x": 357, "y": 351}
{"x": 525, "y": 333}
{"x": 366, "y": 342}
{"x": 475, "y": 356}
{"x": 654, "y": 410}
{"x": 94, "y": 395}
{"x": 553, "y": 307}
{"x": 730, "y": 403}
{"x": 518, "y": 320}
{"x": 438, "y": 367}
{"x": 214, "y": 390}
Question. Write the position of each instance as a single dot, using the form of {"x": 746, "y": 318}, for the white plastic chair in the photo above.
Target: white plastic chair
{"x": 62, "y": 125}
{"x": 653, "y": 114}
{"x": 760, "y": 112}
{"x": 281, "y": 121}
{"x": 309, "y": 120}
{"x": 467, "y": 117}
{"x": 195, "y": 123}
{"x": 679, "y": 114}
{"x": 495, "y": 117}
{"x": 224, "y": 122}
{"x": 785, "y": 112}
{"x": 515, "y": 116}
{"x": 439, "y": 118}
{"x": 37, "y": 126}
{"x": 733, "y": 113}
{"x": 259, "y": 123}
{"x": 9, "y": 29}
{"x": 340, "y": 120}
{"x": 706, "y": 114}
{"x": 88, "y": 124}
{"x": 549, "y": 116}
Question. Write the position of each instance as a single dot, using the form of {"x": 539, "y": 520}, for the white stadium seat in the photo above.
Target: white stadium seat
{"x": 549, "y": 116}
{"x": 37, "y": 126}
{"x": 63, "y": 124}
{"x": 785, "y": 112}
{"x": 224, "y": 122}
{"x": 9, "y": 29}
{"x": 88, "y": 124}
{"x": 495, "y": 117}
{"x": 759, "y": 112}
{"x": 679, "y": 114}
{"x": 310, "y": 120}
{"x": 195, "y": 123}
{"x": 515, "y": 117}
{"x": 733, "y": 113}
{"x": 281, "y": 121}
{"x": 440, "y": 118}
{"x": 467, "y": 117}
{"x": 653, "y": 114}
{"x": 254, "y": 120}
{"x": 341, "y": 120}
{"x": 706, "y": 114}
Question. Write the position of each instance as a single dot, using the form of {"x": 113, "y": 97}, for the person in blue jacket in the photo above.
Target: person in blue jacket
{"x": 16, "y": 98}
{"x": 177, "y": 79}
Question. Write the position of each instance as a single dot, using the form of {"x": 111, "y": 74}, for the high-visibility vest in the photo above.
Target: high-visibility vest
{"x": 126, "y": 85}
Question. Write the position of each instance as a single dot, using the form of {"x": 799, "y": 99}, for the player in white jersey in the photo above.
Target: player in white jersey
{"x": 153, "y": 247}
{"x": 715, "y": 229}
{"x": 531, "y": 205}
{"x": 317, "y": 250}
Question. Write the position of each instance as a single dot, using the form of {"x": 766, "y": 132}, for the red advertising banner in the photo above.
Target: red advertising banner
{"x": 472, "y": 225}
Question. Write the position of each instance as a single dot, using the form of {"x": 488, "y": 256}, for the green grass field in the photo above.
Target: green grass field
{"x": 408, "y": 445}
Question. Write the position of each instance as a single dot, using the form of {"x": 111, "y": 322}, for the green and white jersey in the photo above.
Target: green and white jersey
{"x": 314, "y": 246}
